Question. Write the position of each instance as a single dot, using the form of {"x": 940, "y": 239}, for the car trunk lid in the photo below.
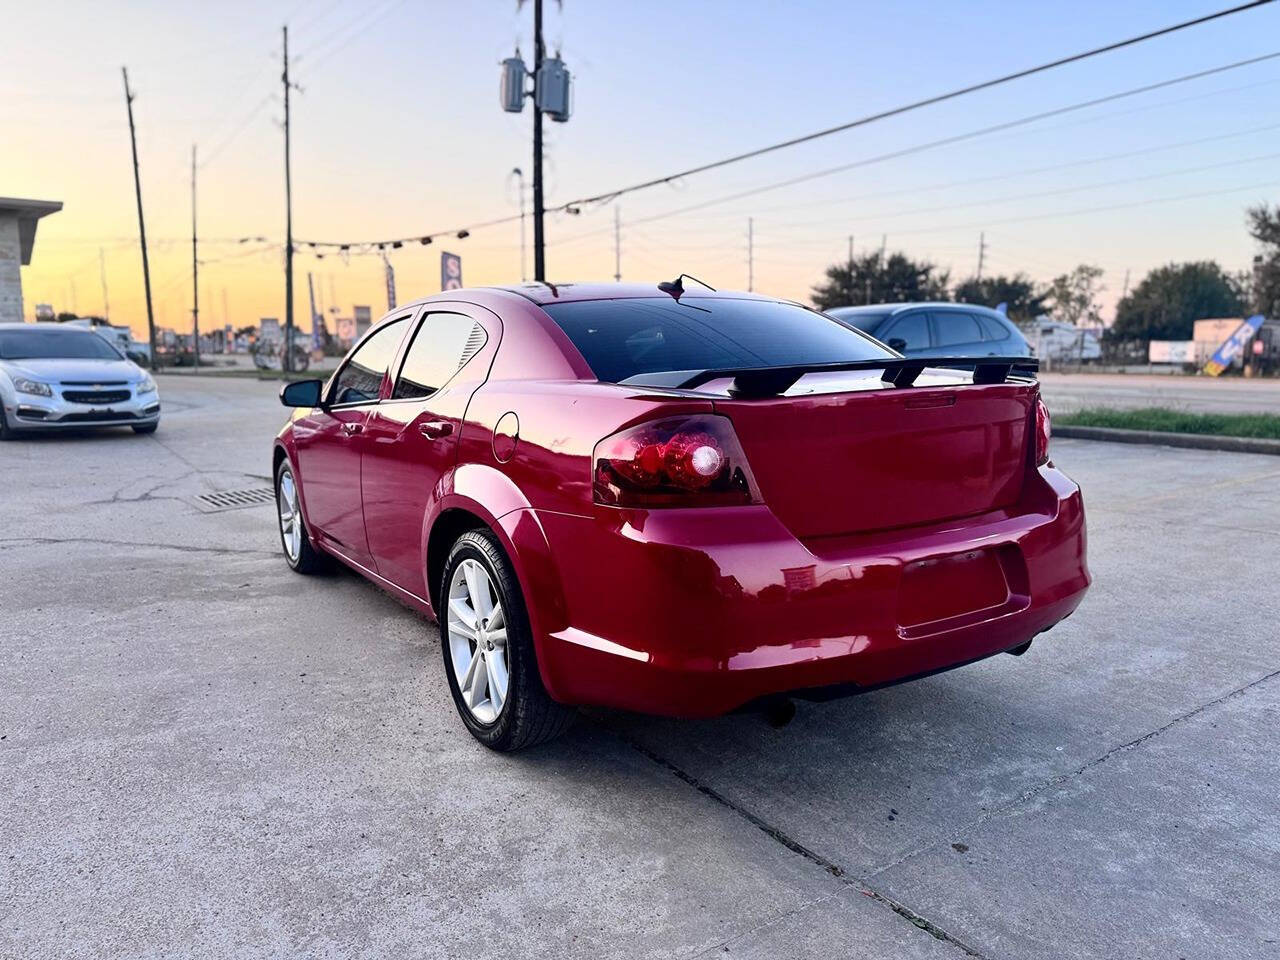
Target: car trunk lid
{"x": 872, "y": 458}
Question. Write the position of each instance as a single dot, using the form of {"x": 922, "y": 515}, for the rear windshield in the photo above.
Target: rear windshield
{"x": 623, "y": 338}
{"x": 54, "y": 345}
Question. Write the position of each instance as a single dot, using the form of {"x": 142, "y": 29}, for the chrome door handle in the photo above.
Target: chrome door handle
{"x": 435, "y": 429}
{"x": 352, "y": 428}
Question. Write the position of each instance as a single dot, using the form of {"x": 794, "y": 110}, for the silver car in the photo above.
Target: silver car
{"x": 59, "y": 378}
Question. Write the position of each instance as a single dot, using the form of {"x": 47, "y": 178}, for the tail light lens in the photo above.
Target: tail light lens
{"x": 678, "y": 462}
{"x": 1042, "y": 433}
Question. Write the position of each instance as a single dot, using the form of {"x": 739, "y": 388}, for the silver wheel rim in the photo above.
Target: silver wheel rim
{"x": 478, "y": 641}
{"x": 290, "y": 516}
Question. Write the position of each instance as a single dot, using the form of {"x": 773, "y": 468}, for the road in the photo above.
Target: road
{"x": 1065, "y": 392}
{"x": 206, "y": 755}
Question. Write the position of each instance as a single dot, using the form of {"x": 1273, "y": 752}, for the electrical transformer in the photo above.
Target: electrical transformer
{"x": 555, "y": 89}
{"x": 512, "y": 93}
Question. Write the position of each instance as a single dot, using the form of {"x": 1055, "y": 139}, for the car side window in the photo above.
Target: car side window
{"x": 360, "y": 379}
{"x": 953, "y": 327}
{"x": 992, "y": 328}
{"x": 443, "y": 344}
{"x": 912, "y": 330}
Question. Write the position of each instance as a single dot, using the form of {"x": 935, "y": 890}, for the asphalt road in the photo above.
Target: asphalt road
{"x": 1065, "y": 392}
{"x": 203, "y": 754}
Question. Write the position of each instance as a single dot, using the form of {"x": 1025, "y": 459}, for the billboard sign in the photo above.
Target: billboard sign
{"x": 1171, "y": 351}
{"x": 1233, "y": 347}
{"x": 450, "y": 271}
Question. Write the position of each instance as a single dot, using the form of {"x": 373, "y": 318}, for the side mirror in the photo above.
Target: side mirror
{"x": 897, "y": 343}
{"x": 301, "y": 393}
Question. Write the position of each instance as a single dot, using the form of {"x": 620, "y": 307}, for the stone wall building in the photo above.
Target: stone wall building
{"x": 18, "y": 220}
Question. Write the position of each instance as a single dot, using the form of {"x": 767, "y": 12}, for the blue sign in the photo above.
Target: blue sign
{"x": 1233, "y": 347}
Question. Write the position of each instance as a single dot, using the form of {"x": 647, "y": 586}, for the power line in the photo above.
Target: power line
{"x": 573, "y": 206}
{"x": 942, "y": 142}
{"x": 928, "y": 101}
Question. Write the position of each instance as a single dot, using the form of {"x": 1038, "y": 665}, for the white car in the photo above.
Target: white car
{"x": 54, "y": 377}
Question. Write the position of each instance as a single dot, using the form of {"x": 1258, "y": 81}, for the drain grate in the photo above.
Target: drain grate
{"x": 234, "y": 499}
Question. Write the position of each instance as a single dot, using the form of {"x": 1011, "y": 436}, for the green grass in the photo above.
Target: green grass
{"x": 1257, "y": 425}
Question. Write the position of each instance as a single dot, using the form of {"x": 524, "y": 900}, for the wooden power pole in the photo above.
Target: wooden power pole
{"x": 142, "y": 226}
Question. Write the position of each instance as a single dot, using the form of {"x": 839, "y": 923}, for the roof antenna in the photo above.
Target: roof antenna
{"x": 676, "y": 287}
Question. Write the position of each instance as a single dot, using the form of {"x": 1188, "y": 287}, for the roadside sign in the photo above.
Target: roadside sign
{"x": 1233, "y": 347}
{"x": 450, "y": 271}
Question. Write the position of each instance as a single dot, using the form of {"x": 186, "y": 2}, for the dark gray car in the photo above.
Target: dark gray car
{"x": 937, "y": 329}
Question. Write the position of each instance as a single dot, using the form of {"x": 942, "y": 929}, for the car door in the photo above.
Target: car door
{"x": 330, "y": 438}
{"x": 411, "y": 439}
{"x": 908, "y": 333}
{"x": 956, "y": 334}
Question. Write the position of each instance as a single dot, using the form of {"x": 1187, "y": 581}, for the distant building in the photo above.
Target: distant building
{"x": 18, "y": 219}
{"x": 364, "y": 320}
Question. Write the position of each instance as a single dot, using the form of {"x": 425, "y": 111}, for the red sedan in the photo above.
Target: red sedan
{"x": 675, "y": 501}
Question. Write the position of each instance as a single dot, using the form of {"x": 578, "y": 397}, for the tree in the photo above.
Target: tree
{"x": 1019, "y": 292}
{"x": 1073, "y": 297}
{"x": 1264, "y": 226}
{"x": 872, "y": 278}
{"x": 1170, "y": 299}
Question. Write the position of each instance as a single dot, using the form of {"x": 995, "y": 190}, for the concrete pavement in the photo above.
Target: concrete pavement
{"x": 206, "y": 755}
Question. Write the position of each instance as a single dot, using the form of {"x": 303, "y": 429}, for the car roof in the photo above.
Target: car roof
{"x": 59, "y": 327}
{"x": 548, "y": 293}
{"x": 893, "y": 308}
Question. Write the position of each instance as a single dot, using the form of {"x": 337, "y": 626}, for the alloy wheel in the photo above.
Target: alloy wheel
{"x": 478, "y": 641}
{"x": 290, "y": 516}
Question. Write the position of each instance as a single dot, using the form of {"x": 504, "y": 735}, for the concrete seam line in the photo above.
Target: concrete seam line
{"x": 1193, "y": 441}
{"x": 1057, "y": 781}
{"x": 795, "y": 846}
{"x": 14, "y": 543}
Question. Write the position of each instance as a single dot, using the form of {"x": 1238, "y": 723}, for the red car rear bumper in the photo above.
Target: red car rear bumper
{"x": 697, "y": 612}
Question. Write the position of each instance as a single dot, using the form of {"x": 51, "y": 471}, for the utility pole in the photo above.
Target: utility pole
{"x": 539, "y": 253}
{"x": 287, "y": 356}
{"x": 751, "y": 255}
{"x": 102, "y": 272}
{"x": 519, "y": 175}
{"x": 850, "y": 288}
{"x": 982, "y": 252}
{"x": 617, "y": 245}
{"x": 195, "y": 270}
{"x": 884, "y": 244}
{"x": 1125, "y": 292}
{"x": 142, "y": 227}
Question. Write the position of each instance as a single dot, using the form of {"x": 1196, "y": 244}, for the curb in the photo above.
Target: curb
{"x": 1195, "y": 441}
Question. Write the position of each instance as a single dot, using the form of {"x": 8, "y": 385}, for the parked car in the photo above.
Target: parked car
{"x": 58, "y": 377}
{"x": 938, "y": 329}
{"x": 676, "y": 502}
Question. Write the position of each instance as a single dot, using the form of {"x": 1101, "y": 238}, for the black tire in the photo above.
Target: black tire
{"x": 6, "y": 432}
{"x": 146, "y": 427}
{"x": 528, "y": 716}
{"x": 309, "y": 560}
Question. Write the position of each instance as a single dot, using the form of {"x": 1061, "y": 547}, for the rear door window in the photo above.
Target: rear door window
{"x": 443, "y": 344}
{"x": 626, "y": 337}
{"x": 953, "y": 328}
{"x": 992, "y": 328}
{"x": 360, "y": 379}
{"x": 912, "y": 330}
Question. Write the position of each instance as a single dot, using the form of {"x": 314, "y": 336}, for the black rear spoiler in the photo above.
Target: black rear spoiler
{"x": 772, "y": 381}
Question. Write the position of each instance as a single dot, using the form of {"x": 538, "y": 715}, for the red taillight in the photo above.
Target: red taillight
{"x": 1042, "y": 433}
{"x": 678, "y": 462}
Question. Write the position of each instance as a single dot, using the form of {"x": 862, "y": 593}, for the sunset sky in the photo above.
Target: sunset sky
{"x": 398, "y": 131}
